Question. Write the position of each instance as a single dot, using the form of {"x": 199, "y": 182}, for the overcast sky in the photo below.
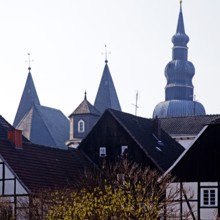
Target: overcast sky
{"x": 66, "y": 39}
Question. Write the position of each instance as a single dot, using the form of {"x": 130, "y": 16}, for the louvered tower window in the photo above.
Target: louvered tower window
{"x": 81, "y": 126}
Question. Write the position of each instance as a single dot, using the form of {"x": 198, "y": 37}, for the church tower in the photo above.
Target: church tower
{"x": 28, "y": 99}
{"x": 82, "y": 120}
{"x": 84, "y": 117}
{"x": 106, "y": 96}
{"x": 179, "y": 91}
{"x": 40, "y": 124}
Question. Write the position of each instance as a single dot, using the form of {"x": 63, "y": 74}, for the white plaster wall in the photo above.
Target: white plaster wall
{"x": 191, "y": 190}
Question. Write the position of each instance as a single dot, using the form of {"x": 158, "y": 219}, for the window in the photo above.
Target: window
{"x": 209, "y": 197}
{"x": 123, "y": 149}
{"x": 102, "y": 151}
{"x": 81, "y": 126}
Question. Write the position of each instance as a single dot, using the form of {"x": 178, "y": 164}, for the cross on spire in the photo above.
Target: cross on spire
{"x": 106, "y": 54}
{"x": 29, "y": 61}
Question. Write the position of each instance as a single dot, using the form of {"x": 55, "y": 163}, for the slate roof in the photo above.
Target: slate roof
{"x": 39, "y": 167}
{"x": 142, "y": 131}
{"x": 85, "y": 107}
{"x": 189, "y": 125}
{"x": 46, "y": 126}
{"x": 106, "y": 96}
{"x": 29, "y": 97}
{"x": 40, "y": 124}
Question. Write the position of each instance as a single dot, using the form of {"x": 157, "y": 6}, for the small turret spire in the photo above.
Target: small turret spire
{"x": 85, "y": 97}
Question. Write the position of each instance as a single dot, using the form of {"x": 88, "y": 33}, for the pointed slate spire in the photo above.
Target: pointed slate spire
{"x": 180, "y": 25}
{"x": 180, "y": 38}
{"x": 106, "y": 96}
{"x": 28, "y": 99}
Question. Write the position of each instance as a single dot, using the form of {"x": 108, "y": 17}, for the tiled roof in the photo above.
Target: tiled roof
{"x": 41, "y": 167}
{"x": 190, "y": 125}
{"x": 46, "y": 126}
{"x": 143, "y": 132}
{"x": 5, "y": 127}
{"x": 216, "y": 121}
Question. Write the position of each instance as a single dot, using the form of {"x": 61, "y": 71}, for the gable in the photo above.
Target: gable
{"x": 116, "y": 129}
{"x": 9, "y": 182}
{"x": 201, "y": 161}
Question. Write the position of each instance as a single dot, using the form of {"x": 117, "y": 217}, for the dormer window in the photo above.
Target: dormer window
{"x": 81, "y": 126}
{"x": 123, "y": 149}
{"x": 102, "y": 151}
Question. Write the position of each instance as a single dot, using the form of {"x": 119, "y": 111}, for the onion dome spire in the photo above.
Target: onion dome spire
{"x": 179, "y": 72}
{"x": 179, "y": 90}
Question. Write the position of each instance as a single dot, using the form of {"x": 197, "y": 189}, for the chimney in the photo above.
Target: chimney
{"x": 157, "y": 127}
{"x": 15, "y": 136}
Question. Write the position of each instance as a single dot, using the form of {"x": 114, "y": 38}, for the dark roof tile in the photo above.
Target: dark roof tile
{"x": 189, "y": 125}
{"x": 142, "y": 130}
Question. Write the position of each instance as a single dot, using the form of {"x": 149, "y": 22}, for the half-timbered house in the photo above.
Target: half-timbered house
{"x": 27, "y": 168}
{"x": 142, "y": 140}
{"x": 198, "y": 170}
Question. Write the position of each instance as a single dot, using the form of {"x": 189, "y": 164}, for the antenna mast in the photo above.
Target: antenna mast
{"x": 136, "y": 103}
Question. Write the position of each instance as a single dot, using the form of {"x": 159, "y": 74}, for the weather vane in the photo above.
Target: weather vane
{"x": 29, "y": 61}
{"x": 106, "y": 54}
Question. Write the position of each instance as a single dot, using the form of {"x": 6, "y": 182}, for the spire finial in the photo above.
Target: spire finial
{"x": 85, "y": 98}
{"x": 106, "y": 54}
{"x": 29, "y": 62}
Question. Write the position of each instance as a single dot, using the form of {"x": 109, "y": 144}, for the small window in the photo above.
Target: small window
{"x": 123, "y": 149}
{"x": 81, "y": 126}
{"x": 209, "y": 197}
{"x": 102, "y": 151}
